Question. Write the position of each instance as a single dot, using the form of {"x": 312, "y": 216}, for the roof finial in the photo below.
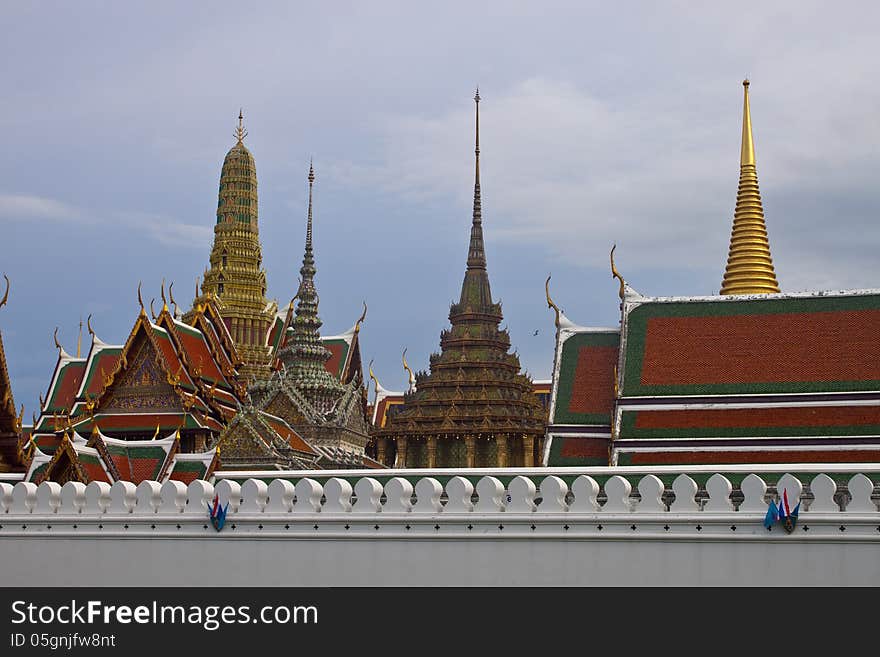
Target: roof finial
{"x": 57, "y": 344}
{"x": 357, "y": 326}
{"x": 79, "y": 340}
{"x": 412, "y": 378}
{"x": 171, "y": 296}
{"x": 550, "y": 302}
{"x": 749, "y": 265}
{"x": 616, "y": 274}
{"x": 373, "y": 376}
{"x": 164, "y": 301}
{"x": 240, "y": 132}
{"x": 89, "y": 325}
{"x": 141, "y": 299}
{"x": 5, "y": 296}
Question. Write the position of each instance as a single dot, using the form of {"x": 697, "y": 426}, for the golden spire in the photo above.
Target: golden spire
{"x": 79, "y": 339}
{"x": 240, "y": 132}
{"x": 749, "y": 265}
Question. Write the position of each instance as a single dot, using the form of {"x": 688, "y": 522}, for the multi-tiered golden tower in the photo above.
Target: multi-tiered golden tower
{"x": 749, "y": 265}
{"x": 236, "y": 276}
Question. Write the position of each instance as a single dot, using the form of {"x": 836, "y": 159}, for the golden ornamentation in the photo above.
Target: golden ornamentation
{"x": 164, "y": 301}
{"x": 412, "y": 378}
{"x": 57, "y": 344}
{"x": 140, "y": 298}
{"x": 79, "y": 339}
{"x": 240, "y": 133}
{"x": 616, "y": 274}
{"x": 171, "y": 296}
{"x": 550, "y": 302}
{"x": 749, "y": 265}
{"x": 89, "y": 325}
{"x": 357, "y": 326}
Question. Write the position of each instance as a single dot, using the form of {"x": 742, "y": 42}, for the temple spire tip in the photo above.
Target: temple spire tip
{"x": 749, "y": 264}
{"x": 240, "y": 132}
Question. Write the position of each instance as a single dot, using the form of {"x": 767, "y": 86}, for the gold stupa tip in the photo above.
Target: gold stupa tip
{"x": 749, "y": 264}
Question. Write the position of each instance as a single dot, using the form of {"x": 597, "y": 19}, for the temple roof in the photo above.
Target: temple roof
{"x": 474, "y": 384}
{"x": 102, "y": 458}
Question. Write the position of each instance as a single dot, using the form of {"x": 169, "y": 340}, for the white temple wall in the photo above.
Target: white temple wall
{"x": 537, "y": 531}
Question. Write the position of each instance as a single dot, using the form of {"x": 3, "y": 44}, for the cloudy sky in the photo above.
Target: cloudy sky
{"x": 600, "y": 123}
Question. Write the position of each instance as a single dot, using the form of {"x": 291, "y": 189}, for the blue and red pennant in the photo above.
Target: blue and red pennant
{"x": 218, "y": 513}
{"x": 780, "y": 512}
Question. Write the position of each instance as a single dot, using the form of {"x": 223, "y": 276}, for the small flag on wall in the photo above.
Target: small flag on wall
{"x": 782, "y": 513}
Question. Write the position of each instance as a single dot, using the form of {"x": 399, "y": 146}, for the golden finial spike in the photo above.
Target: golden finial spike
{"x": 164, "y": 301}
{"x": 616, "y": 274}
{"x": 79, "y": 339}
{"x": 749, "y": 265}
{"x": 747, "y": 153}
{"x": 240, "y": 132}
{"x": 357, "y": 326}
{"x": 6, "y": 295}
{"x": 550, "y": 302}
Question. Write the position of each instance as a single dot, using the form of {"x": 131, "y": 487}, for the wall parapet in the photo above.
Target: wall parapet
{"x": 540, "y": 504}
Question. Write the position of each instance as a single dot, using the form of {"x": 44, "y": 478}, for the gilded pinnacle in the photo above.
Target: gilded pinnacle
{"x": 749, "y": 265}
{"x": 240, "y": 132}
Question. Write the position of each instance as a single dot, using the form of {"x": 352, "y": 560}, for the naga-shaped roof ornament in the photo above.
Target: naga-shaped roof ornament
{"x": 412, "y": 378}
{"x": 61, "y": 352}
{"x": 141, "y": 299}
{"x": 550, "y": 302}
{"x": 616, "y": 274}
{"x": 171, "y": 296}
{"x": 164, "y": 301}
{"x": 5, "y": 298}
{"x": 357, "y": 325}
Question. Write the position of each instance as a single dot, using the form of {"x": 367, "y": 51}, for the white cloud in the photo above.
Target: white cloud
{"x": 17, "y": 207}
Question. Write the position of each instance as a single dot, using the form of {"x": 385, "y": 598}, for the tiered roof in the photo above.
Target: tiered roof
{"x": 317, "y": 383}
{"x": 102, "y": 458}
{"x": 749, "y": 376}
{"x": 171, "y": 378}
{"x": 235, "y": 276}
{"x": 474, "y": 386}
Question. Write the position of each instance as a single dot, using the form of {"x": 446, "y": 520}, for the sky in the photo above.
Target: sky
{"x": 601, "y": 123}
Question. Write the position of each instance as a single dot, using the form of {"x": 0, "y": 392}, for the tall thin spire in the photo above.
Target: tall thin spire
{"x": 476, "y": 252}
{"x": 749, "y": 265}
{"x": 304, "y": 355}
